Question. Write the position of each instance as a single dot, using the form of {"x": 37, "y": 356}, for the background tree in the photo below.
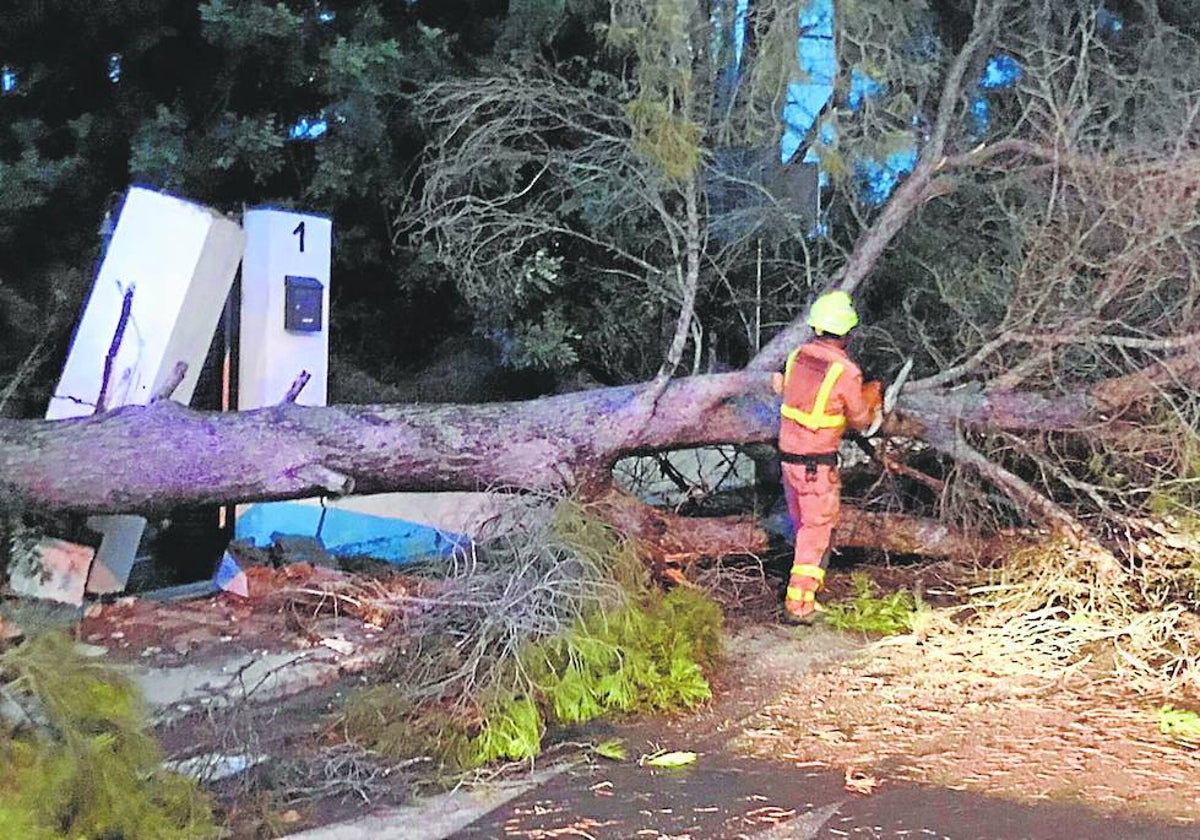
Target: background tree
{"x": 295, "y": 104}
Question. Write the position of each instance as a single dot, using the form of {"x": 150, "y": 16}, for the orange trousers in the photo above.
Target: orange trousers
{"x": 814, "y": 498}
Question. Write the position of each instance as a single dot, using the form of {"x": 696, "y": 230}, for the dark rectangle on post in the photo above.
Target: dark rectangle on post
{"x": 304, "y": 303}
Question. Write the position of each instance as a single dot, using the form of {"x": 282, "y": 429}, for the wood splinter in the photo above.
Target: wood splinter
{"x": 297, "y": 386}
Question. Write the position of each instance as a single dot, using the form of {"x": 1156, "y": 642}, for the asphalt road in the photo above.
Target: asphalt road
{"x": 726, "y": 797}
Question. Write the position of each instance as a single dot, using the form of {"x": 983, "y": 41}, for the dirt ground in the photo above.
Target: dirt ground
{"x": 878, "y": 713}
{"x": 901, "y": 710}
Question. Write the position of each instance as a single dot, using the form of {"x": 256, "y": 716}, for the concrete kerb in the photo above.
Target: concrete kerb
{"x": 437, "y": 817}
{"x": 254, "y": 676}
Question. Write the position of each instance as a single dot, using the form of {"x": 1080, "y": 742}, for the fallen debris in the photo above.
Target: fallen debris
{"x": 51, "y": 569}
{"x": 213, "y": 767}
{"x": 860, "y": 782}
{"x": 229, "y": 577}
{"x": 675, "y": 758}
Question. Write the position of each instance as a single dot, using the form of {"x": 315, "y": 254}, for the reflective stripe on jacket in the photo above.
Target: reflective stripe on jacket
{"x": 817, "y": 417}
{"x": 822, "y": 395}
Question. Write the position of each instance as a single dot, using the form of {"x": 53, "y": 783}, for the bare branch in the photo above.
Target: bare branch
{"x": 293, "y": 391}
{"x": 113, "y": 348}
{"x": 164, "y": 392}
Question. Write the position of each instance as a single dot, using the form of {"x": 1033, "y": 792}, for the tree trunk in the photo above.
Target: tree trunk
{"x": 150, "y": 458}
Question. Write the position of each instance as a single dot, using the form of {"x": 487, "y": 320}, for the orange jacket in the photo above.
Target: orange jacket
{"x": 811, "y": 370}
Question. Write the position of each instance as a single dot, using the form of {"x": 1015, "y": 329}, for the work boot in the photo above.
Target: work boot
{"x": 806, "y": 616}
{"x": 801, "y": 602}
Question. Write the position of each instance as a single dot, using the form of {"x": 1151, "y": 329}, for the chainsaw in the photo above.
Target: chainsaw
{"x": 889, "y": 399}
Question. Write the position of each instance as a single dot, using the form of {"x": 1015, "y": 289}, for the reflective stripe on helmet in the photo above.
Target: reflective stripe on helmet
{"x": 817, "y": 418}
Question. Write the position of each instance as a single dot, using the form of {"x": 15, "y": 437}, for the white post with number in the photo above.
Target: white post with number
{"x": 284, "y": 325}
{"x": 283, "y": 330}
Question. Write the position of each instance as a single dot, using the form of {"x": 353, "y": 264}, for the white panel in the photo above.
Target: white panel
{"x": 278, "y": 244}
{"x": 180, "y": 260}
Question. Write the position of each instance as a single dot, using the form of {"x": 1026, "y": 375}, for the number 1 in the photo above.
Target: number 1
{"x": 299, "y": 231}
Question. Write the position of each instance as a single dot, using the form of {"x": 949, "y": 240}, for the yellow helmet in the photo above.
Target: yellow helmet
{"x": 833, "y": 313}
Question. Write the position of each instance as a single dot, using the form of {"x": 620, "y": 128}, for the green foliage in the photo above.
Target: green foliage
{"x": 628, "y": 648}
{"x": 157, "y": 151}
{"x": 674, "y": 758}
{"x": 385, "y": 720}
{"x": 868, "y": 612}
{"x": 30, "y": 177}
{"x": 512, "y": 731}
{"x": 575, "y": 532}
{"x": 668, "y": 139}
{"x": 666, "y": 130}
{"x": 647, "y": 656}
{"x": 242, "y": 25}
{"x": 1182, "y": 725}
{"x": 530, "y": 25}
{"x": 613, "y": 750}
{"x": 89, "y": 768}
{"x": 545, "y": 341}
{"x": 506, "y": 728}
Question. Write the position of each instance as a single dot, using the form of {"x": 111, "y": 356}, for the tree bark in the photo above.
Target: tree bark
{"x": 146, "y": 459}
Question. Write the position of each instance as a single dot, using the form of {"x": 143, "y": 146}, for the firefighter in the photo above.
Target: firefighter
{"x": 823, "y": 393}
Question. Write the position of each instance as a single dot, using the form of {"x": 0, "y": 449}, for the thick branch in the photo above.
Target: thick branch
{"x": 672, "y": 539}
{"x": 1019, "y": 411}
{"x": 908, "y": 197}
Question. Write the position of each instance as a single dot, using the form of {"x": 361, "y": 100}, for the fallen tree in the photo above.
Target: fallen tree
{"x": 147, "y": 458}
{"x": 1057, "y": 364}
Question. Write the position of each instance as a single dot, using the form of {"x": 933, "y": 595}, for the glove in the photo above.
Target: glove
{"x": 872, "y": 395}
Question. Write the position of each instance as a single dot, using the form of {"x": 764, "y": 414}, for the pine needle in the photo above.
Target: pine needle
{"x": 613, "y": 750}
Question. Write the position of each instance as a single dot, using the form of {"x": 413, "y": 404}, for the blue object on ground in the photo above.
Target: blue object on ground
{"x": 347, "y": 533}
{"x": 230, "y": 577}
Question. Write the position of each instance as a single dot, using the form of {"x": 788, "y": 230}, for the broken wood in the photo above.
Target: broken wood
{"x": 164, "y": 392}
{"x": 114, "y": 347}
{"x": 668, "y": 538}
{"x": 297, "y": 386}
{"x": 322, "y": 478}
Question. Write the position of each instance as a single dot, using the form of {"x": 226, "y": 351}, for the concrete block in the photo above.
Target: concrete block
{"x": 54, "y": 570}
